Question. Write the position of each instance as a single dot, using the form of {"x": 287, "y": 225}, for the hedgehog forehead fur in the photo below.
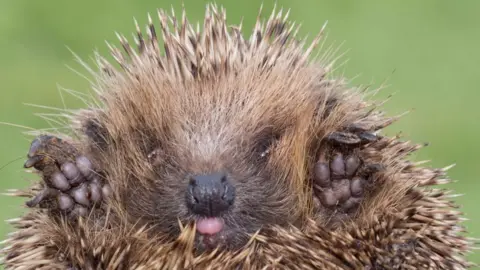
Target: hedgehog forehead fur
{"x": 213, "y": 83}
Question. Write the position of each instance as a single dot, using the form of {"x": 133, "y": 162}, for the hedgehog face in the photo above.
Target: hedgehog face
{"x": 229, "y": 193}
{"x": 229, "y": 188}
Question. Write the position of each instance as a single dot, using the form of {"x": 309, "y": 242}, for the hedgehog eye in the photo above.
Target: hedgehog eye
{"x": 265, "y": 153}
{"x": 264, "y": 147}
{"x": 154, "y": 156}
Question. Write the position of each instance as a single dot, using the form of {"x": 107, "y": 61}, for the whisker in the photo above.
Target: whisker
{"x": 17, "y": 125}
{"x": 45, "y": 107}
{"x": 12, "y": 161}
{"x": 61, "y": 97}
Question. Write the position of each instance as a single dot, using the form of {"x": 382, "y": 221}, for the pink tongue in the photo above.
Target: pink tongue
{"x": 209, "y": 225}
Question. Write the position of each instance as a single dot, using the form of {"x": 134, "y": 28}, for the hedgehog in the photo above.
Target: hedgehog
{"x": 204, "y": 149}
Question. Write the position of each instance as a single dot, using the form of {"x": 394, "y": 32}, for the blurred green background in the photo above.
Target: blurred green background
{"x": 428, "y": 50}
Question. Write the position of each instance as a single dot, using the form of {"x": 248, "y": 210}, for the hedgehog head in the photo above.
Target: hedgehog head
{"x": 220, "y": 130}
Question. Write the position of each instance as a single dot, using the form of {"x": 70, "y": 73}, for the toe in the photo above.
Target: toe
{"x": 356, "y": 186}
{"x": 95, "y": 192}
{"x": 60, "y": 182}
{"x": 337, "y": 166}
{"x": 328, "y": 198}
{"x": 81, "y": 194}
{"x": 84, "y": 166}
{"x": 322, "y": 174}
{"x": 65, "y": 202}
{"x": 352, "y": 163}
{"x": 72, "y": 173}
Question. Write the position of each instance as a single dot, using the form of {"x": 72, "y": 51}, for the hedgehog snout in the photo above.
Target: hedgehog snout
{"x": 210, "y": 195}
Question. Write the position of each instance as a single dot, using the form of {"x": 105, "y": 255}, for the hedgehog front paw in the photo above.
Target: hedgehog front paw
{"x": 71, "y": 184}
{"x": 338, "y": 184}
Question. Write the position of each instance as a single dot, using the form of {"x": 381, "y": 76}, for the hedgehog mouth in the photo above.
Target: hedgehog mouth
{"x": 210, "y": 233}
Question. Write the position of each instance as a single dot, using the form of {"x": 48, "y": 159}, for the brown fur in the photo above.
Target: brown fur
{"x": 212, "y": 102}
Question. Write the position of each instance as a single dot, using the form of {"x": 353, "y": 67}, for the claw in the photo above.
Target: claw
{"x": 44, "y": 147}
{"x": 351, "y": 138}
{"x": 31, "y": 162}
{"x": 35, "y": 146}
{"x": 374, "y": 168}
{"x": 41, "y": 196}
{"x": 368, "y": 137}
{"x": 344, "y": 138}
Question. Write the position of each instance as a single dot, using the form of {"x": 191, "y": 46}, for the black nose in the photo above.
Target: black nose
{"x": 210, "y": 194}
